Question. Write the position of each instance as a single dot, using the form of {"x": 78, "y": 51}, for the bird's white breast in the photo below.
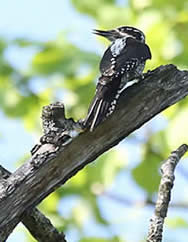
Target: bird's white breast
{"x": 117, "y": 46}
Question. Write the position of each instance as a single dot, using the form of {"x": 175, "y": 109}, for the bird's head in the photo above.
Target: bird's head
{"x": 121, "y": 32}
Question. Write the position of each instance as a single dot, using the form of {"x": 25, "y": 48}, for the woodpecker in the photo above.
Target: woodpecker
{"x": 123, "y": 61}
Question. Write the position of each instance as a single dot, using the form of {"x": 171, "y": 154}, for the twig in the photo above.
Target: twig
{"x": 39, "y": 226}
{"x": 164, "y": 194}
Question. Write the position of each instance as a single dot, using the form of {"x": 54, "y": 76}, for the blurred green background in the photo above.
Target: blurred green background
{"x": 48, "y": 53}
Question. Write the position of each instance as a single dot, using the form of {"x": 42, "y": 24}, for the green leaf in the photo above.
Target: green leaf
{"x": 176, "y": 222}
{"x": 146, "y": 174}
{"x": 177, "y": 130}
{"x": 63, "y": 58}
{"x": 90, "y": 7}
{"x": 95, "y": 239}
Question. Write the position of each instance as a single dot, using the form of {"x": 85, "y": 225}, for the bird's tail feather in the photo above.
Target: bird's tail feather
{"x": 97, "y": 113}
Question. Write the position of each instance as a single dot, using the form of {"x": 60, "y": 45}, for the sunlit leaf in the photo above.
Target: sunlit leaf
{"x": 146, "y": 174}
{"x": 177, "y": 130}
{"x": 176, "y": 222}
{"x": 89, "y": 7}
{"x": 95, "y": 239}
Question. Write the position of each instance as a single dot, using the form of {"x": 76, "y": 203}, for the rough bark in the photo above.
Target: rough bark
{"x": 51, "y": 168}
{"x": 38, "y": 225}
{"x": 41, "y": 228}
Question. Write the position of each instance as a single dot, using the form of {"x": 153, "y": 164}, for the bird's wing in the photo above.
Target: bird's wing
{"x": 135, "y": 51}
{"x": 106, "y": 62}
{"x": 132, "y": 50}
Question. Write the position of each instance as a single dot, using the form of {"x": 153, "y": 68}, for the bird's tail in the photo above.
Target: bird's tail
{"x": 104, "y": 102}
{"x": 98, "y": 111}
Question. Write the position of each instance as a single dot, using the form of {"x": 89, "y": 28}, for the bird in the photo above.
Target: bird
{"x": 123, "y": 61}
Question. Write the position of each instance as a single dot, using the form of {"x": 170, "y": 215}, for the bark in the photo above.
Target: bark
{"x": 41, "y": 228}
{"x": 51, "y": 167}
{"x": 38, "y": 225}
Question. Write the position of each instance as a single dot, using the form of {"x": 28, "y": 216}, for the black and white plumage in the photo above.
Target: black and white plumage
{"x": 123, "y": 61}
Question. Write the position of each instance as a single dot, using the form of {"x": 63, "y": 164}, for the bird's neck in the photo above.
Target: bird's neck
{"x": 117, "y": 46}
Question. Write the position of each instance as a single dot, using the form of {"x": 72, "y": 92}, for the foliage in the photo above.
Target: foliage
{"x": 70, "y": 74}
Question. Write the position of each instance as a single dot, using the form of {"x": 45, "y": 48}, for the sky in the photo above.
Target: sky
{"x": 43, "y": 20}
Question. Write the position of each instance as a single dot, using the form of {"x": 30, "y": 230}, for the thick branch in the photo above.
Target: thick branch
{"x": 164, "y": 194}
{"x": 39, "y": 226}
{"x": 40, "y": 176}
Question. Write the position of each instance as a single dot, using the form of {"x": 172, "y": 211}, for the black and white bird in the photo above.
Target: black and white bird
{"x": 123, "y": 61}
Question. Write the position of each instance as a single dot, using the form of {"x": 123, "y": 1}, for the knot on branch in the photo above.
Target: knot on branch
{"x": 57, "y": 129}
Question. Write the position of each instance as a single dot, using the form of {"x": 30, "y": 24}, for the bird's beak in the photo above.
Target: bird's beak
{"x": 109, "y": 34}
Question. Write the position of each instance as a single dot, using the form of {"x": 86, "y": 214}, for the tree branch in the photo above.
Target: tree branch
{"x": 41, "y": 228}
{"x": 50, "y": 167}
{"x": 164, "y": 194}
{"x": 38, "y": 225}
